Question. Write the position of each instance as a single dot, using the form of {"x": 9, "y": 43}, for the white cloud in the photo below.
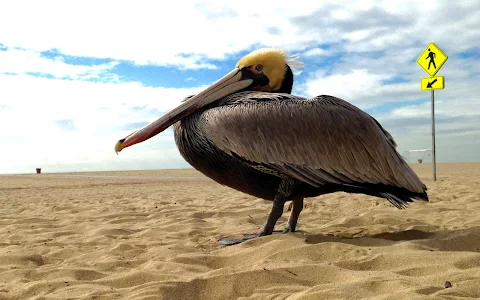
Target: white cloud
{"x": 21, "y": 61}
{"x": 355, "y": 83}
{"x": 359, "y": 87}
{"x": 99, "y": 112}
{"x": 314, "y": 52}
{"x": 185, "y": 32}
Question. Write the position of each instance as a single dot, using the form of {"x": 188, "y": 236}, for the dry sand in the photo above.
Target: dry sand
{"x": 153, "y": 235}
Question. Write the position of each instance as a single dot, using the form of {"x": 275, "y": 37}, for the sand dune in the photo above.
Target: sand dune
{"x": 147, "y": 235}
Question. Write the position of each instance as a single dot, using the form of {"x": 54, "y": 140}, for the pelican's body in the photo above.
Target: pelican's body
{"x": 249, "y": 133}
{"x": 207, "y": 158}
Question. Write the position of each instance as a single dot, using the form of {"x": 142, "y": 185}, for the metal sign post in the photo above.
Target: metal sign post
{"x": 434, "y": 158}
{"x": 431, "y": 60}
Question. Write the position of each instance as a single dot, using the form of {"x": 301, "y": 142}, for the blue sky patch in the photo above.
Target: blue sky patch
{"x": 474, "y": 54}
{"x": 395, "y": 80}
{"x": 40, "y": 74}
{"x": 74, "y": 60}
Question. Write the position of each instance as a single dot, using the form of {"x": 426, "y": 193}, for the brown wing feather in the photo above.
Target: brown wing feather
{"x": 319, "y": 140}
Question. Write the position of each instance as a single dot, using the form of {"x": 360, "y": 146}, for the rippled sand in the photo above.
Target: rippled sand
{"x": 153, "y": 235}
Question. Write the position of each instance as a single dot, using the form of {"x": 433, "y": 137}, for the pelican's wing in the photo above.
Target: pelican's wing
{"x": 320, "y": 140}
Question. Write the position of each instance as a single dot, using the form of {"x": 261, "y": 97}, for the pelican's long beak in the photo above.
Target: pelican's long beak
{"x": 230, "y": 83}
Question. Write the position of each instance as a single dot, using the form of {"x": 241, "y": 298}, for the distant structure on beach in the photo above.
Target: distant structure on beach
{"x": 419, "y": 155}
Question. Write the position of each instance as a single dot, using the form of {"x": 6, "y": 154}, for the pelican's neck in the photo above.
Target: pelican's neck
{"x": 287, "y": 83}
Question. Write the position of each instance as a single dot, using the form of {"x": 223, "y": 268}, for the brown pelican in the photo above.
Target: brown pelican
{"x": 247, "y": 131}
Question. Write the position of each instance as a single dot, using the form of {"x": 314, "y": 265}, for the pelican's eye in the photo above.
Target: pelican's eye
{"x": 259, "y": 67}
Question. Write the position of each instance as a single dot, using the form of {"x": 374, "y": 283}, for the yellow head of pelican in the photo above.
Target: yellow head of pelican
{"x": 266, "y": 69}
{"x": 269, "y": 65}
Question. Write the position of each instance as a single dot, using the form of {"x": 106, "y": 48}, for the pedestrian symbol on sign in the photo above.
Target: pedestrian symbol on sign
{"x": 432, "y": 56}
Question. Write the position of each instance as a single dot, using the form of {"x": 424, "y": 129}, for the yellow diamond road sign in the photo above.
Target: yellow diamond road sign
{"x": 432, "y": 83}
{"x": 432, "y": 59}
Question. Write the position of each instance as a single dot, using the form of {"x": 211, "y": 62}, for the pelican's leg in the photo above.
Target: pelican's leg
{"x": 275, "y": 214}
{"x": 296, "y": 210}
{"x": 284, "y": 191}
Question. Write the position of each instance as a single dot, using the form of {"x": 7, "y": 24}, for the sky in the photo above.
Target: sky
{"x": 76, "y": 76}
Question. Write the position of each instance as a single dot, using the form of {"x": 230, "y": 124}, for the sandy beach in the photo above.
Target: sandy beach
{"x": 153, "y": 235}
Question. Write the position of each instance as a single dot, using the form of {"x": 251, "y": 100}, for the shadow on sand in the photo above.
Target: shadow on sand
{"x": 467, "y": 239}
